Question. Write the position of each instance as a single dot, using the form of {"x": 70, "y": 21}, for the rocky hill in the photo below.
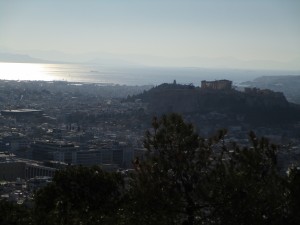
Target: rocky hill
{"x": 289, "y": 85}
{"x": 253, "y": 105}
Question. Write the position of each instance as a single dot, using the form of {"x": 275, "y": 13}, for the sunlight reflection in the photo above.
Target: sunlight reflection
{"x": 24, "y": 71}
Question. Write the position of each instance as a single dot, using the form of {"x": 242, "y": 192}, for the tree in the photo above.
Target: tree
{"x": 247, "y": 186}
{"x": 79, "y": 195}
{"x": 190, "y": 180}
{"x": 185, "y": 179}
{"x": 294, "y": 197}
{"x": 171, "y": 185}
{"x": 13, "y": 214}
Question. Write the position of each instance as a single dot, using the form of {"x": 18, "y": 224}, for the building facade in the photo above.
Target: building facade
{"x": 216, "y": 85}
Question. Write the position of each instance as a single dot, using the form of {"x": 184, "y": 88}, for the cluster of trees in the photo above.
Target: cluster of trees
{"x": 185, "y": 179}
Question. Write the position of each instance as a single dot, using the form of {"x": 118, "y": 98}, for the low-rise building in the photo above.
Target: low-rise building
{"x": 12, "y": 168}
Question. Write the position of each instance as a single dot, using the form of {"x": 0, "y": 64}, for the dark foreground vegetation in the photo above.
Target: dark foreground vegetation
{"x": 184, "y": 179}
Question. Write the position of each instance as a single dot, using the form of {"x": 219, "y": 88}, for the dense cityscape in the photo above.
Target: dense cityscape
{"x": 47, "y": 126}
{"x": 149, "y": 112}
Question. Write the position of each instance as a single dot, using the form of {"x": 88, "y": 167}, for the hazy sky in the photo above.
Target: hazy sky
{"x": 243, "y": 29}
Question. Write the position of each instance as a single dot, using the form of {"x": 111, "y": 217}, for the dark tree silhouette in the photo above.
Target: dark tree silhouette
{"x": 185, "y": 179}
{"x": 190, "y": 180}
{"x": 80, "y": 195}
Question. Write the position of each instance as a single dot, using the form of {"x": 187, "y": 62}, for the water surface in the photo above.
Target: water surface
{"x": 126, "y": 75}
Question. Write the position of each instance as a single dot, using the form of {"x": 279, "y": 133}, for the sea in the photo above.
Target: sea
{"x": 128, "y": 75}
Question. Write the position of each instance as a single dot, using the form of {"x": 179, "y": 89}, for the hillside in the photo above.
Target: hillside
{"x": 289, "y": 85}
{"x": 252, "y": 106}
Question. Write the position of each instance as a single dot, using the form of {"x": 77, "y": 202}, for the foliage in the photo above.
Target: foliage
{"x": 177, "y": 165}
{"x": 185, "y": 179}
{"x": 12, "y": 214}
{"x": 247, "y": 187}
{"x": 294, "y": 197}
{"x": 190, "y": 180}
{"x": 79, "y": 195}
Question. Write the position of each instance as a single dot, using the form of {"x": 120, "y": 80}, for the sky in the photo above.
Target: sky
{"x": 267, "y": 31}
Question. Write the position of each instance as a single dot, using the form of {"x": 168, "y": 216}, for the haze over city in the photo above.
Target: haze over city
{"x": 213, "y": 34}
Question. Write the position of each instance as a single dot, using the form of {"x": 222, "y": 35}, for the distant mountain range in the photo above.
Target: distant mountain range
{"x": 100, "y": 60}
{"x": 22, "y": 58}
{"x": 146, "y": 60}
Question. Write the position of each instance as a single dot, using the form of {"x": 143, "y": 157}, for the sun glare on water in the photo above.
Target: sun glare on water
{"x": 24, "y": 71}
